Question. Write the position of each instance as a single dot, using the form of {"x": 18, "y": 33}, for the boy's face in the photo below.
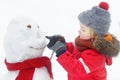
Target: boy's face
{"x": 84, "y": 32}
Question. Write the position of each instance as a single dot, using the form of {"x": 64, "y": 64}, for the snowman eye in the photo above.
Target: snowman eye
{"x": 29, "y": 26}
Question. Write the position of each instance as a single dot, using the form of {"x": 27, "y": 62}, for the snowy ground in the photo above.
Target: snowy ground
{"x": 57, "y": 17}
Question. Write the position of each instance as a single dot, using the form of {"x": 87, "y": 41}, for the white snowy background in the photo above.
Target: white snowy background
{"x": 57, "y": 17}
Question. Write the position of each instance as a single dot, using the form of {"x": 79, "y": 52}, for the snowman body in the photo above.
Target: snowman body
{"x": 24, "y": 40}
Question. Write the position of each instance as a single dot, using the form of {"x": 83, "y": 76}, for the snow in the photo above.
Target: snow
{"x": 56, "y": 17}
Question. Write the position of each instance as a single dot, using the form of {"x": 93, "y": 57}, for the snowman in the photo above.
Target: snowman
{"x": 24, "y": 44}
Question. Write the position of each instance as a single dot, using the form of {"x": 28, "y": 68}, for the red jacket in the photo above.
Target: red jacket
{"x": 87, "y": 65}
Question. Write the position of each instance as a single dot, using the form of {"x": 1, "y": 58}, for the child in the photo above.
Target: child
{"x": 93, "y": 48}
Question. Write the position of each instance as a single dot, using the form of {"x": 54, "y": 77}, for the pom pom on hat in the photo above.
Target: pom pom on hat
{"x": 98, "y": 18}
{"x": 104, "y": 5}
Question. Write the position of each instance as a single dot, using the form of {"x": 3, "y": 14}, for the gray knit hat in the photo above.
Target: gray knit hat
{"x": 97, "y": 18}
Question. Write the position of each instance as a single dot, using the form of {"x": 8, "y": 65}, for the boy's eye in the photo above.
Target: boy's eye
{"x": 83, "y": 30}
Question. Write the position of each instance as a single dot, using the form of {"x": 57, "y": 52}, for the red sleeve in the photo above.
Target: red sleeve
{"x": 70, "y": 47}
{"x": 92, "y": 59}
{"x": 71, "y": 65}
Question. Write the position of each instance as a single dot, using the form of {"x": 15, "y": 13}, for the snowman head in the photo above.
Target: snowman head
{"x": 23, "y": 40}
